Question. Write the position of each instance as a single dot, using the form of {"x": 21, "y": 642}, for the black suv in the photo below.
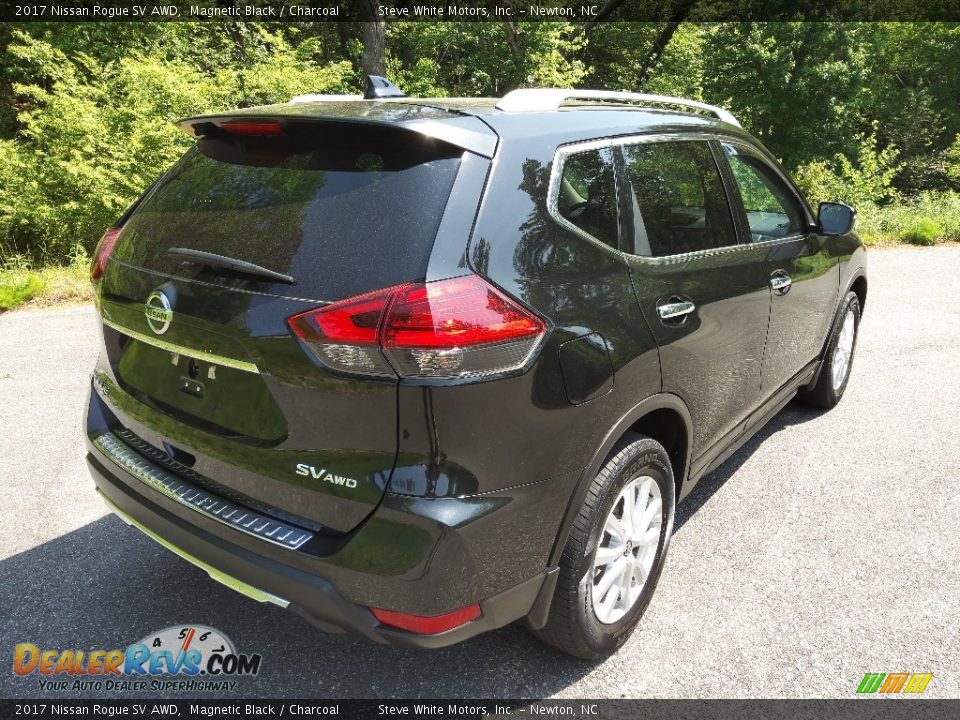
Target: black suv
{"x": 419, "y": 368}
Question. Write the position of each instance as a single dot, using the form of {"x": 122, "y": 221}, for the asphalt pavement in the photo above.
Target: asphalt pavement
{"x": 827, "y": 547}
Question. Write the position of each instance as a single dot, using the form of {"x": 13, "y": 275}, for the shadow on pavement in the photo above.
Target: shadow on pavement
{"x": 106, "y": 586}
{"x": 793, "y": 414}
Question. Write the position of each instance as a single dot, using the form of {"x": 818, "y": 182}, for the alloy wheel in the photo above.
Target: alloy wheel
{"x": 627, "y": 549}
{"x": 843, "y": 353}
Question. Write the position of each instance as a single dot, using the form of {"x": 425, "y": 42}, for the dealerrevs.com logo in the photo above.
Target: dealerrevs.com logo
{"x": 190, "y": 658}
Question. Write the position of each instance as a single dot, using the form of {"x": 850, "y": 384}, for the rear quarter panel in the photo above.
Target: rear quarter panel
{"x": 479, "y": 437}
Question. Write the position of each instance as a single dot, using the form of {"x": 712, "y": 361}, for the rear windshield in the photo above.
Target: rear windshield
{"x": 341, "y": 210}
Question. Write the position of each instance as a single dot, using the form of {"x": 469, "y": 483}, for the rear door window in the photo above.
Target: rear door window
{"x": 679, "y": 204}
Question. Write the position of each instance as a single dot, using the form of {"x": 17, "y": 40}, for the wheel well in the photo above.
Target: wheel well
{"x": 667, "y": 428}
{"x": 860, "y": 288}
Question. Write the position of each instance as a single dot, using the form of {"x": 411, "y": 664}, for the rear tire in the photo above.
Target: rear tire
{"x": 838, "y": 359}
{"x": 610, "y": 565}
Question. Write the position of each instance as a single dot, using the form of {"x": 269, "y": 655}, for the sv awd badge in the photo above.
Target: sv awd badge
{"x": 322, "y": 474}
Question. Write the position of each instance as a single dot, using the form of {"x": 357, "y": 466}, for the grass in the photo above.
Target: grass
{"x": 24, "y": 287}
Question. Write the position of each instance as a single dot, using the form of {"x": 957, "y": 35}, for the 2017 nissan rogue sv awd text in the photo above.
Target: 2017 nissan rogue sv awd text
{"x": 417, "y": 369}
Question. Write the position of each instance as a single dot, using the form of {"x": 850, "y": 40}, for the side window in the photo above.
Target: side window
{"x": 679, "y": 205}
{"x": 772, "y": 209}
{"x": 587, "y": 195}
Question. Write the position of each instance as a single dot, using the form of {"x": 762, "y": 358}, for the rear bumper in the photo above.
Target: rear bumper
{"x": 411, "y": 555}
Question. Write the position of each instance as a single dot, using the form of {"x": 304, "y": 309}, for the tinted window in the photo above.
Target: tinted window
{"x": 679, "y": 205}
{"x": 342, "y": 210}
{"x": 772, "y": 208}
{"x": 587, "y": 194}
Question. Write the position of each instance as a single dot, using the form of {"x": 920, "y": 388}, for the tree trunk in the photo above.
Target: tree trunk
{"x": 663, "y": 39}
{"x": 513, "y": 40}
{"x": 604, "y": 13}
{"x": 510, "y": 81}
{"x": 235, "y": 31}
{"x": 374, "y": 37}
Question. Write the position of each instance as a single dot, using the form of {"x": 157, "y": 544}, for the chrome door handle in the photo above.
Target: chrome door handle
{"x": 674, "y": 310}
{"x": 781, "y": 282}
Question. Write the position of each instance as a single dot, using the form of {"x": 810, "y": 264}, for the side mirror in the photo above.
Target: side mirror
{"x": 836, "y": 218}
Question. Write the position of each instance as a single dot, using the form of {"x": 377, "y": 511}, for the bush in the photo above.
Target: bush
{"x": 868, "y": 179}
{"x": 49, "y": 285}
{"x": 924, "y": 231}
{"x": 94, "y": 135}
{"x": 883, "y": 215}
{"x": 17, "y": 288}
{"x": 952, "y": 161}
{"x": 905, "y": 218}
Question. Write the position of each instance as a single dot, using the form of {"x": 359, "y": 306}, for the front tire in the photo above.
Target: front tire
{"x": 838, "y": 359}
{"x": 615, "y": 552}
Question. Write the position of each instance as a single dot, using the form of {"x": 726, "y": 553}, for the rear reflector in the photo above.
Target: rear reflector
{"x": 427, "y": 624}
{"x": 456, "y": 328}
{"x": 101, "y": 255}
{"x": 235, "y": 127}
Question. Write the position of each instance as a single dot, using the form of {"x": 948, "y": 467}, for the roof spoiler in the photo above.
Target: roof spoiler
{"x": 465, "y": 132}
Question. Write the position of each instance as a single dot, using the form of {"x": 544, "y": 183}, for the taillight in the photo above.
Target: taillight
{"x": 344, "y": 335}
{"x": 101, "y": 255}
{"x": 457, "y": 328}
{"x": 427, "y": 624}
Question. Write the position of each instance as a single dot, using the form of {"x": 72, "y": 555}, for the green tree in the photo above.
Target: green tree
{"x": 93, "y": 134}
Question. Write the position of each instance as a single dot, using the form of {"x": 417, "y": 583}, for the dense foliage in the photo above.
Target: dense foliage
{"x": 867, "y": 113}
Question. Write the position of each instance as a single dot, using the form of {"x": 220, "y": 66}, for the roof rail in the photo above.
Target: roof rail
{"x": 542, "y": 99}
{"x": 316, "y": 97}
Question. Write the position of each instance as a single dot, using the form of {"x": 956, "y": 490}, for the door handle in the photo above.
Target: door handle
{"x": 675, "y": 309}
{"x": 780, "y": 282}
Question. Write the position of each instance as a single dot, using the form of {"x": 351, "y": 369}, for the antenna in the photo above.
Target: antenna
{"x": 379, "y": 87}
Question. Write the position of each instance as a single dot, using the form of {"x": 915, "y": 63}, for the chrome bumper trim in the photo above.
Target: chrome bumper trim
{"x": 221, "y": 577}
{"x": 239, "y": 518}
{"x": 182, "y": 350}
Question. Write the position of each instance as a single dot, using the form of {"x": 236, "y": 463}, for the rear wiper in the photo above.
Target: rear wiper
{"x": 242, "y": 267}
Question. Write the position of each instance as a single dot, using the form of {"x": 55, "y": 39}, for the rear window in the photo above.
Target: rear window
{"x": 342, "y": 210}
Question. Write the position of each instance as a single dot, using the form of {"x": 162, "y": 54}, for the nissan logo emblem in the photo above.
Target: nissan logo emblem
{"x": 158, "y": 311}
